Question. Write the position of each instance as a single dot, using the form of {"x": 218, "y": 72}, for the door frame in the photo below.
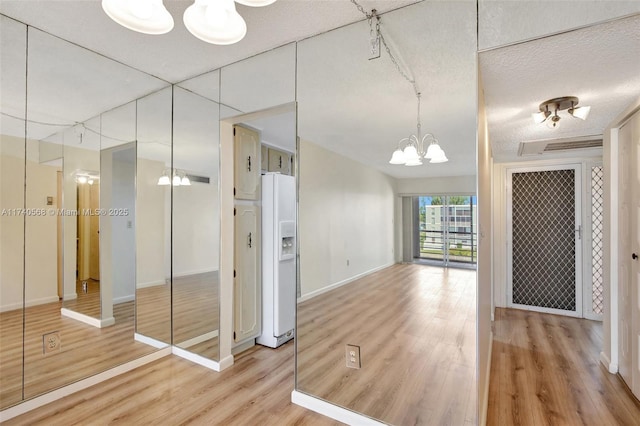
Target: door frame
{"x": 577, "y": 167}
{"x": 587, "y": 296}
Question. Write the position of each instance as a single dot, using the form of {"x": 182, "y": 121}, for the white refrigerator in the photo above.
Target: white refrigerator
{"x": 278, "y": 259}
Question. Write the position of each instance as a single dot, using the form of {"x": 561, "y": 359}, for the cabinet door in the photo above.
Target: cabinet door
{"x": 248, "y": 280}
{"x": 247, "y": 163}
{"x": 279, "y": 161}
{"x": 264, "y": 158}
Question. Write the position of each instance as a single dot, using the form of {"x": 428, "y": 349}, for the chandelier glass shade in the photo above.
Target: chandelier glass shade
{"x": 143, "y": 16}
{"x": 179, "y": 178}
{"x": 212, "y": 21}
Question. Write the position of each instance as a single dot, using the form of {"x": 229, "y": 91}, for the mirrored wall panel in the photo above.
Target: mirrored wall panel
{"x": 153, "y": 218}
{"x": 392, "y": 341}
{"x": 69, "y": 241}
{"x": 196, "y": 217}
{"x": 13, "y": 61}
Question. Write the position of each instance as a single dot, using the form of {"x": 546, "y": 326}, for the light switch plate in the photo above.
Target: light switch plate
{"x": 353, "y": 356}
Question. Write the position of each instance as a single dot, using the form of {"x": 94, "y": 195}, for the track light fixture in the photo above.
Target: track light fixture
{"x": 549, "y": 111}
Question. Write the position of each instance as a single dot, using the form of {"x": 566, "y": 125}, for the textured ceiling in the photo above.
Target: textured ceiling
{"x": 599, "y": 64}
{"x": 178, "y": 55}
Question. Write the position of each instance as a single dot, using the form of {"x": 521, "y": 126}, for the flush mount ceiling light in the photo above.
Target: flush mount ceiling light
{"x": 212, "y": 21}
{"x": 549, "y": 111}
{"x": 215, "y": 21}
{"x": 144, "y": 16}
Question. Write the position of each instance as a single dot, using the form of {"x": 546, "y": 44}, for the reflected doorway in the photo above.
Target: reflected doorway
{"x": 445, "y": 229}
{"x": 88, "y": 247}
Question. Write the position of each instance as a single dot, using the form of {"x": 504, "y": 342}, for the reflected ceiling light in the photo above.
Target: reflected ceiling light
{"x": 177, "y": 178}
{"x": 215, "y": 21}
{"x": 143, "y": 16}
{"x": 411, "y": 150}
{"x": 549, "y": 111}
{"x": 256, "y": 3}
{"x": 82, "y": 179}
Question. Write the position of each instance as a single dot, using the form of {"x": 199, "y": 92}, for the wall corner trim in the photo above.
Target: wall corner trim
{"x": 95, "y": 322}
{"x": 611, "y": 367}
{"x": 484, "y": 408}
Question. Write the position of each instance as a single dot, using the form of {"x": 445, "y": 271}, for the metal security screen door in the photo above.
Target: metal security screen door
{"x": 544, "y": 231}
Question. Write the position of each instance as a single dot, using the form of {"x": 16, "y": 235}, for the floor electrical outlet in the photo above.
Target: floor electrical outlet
{"x": 51, "y": 342}
{"x": 353, "y": 357}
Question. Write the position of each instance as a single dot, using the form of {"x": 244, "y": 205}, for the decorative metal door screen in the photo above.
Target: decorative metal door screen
{"x": 545, "y": 250}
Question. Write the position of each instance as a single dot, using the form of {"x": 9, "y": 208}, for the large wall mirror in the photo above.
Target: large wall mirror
{"x": 413, "y": 324}
{"x": 70, "y": 282}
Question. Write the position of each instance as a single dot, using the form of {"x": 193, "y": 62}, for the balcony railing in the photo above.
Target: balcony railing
{"x": 460, "y": 246}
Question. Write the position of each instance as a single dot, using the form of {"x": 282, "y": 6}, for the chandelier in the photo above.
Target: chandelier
{"x": 212, "y": 21}
{"x": 413, "y": 149}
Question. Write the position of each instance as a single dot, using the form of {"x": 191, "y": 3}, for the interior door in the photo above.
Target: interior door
{"x": 544, "y": 239}
{"x": 629, "y": 269}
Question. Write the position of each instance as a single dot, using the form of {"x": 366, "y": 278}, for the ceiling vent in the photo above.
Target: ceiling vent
{"x": 550, "y": 146}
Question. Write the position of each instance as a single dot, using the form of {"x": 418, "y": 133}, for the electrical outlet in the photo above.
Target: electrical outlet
{"x": 51, "y": 342}
{"x": 353, "y": 356}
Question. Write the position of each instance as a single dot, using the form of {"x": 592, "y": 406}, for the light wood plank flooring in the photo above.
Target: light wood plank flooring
{"x": 545, "y": 370}
{"x": 415, "y": 325}
{"x": 172, "y": 391}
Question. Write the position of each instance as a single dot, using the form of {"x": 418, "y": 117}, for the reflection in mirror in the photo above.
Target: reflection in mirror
{"x": 413, "y": 324}
{"x": 153, "y": 223}
{"x": 79, "y": 158}
{"x": 196, "y": 223}
{"x": 12, "y": 170}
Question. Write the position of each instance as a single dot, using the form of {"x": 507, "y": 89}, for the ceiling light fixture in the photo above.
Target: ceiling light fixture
{"x": 178, "y": 178}
{"x": 413, "y": 149}
{"x": 143, "y": 16}
{"x": 212, "y": 21}
{"x": 417, "y": 147}
{"x": 549, "y": 111}
{"x": 215, "y": 21}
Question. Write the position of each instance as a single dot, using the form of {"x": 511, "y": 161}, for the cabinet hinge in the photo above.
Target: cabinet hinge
{"x": 234, "y": 335}
{"x": 234, "y": 273}
{"x": 234, "y": 191}
{"x": 234, "y": 211}
{"x": 234, "y": 131}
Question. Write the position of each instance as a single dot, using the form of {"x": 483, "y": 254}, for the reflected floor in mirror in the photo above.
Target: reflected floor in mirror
{"x": 84, "y": 350}
{"x": 416, "y": 328}
{"x": 545, "y": 369}
{"x": 196, "y": 313}
{"x": 256, "y": 390}
{"x": 87, "y": 302}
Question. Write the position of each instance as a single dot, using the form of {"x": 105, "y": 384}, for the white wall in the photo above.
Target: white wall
{"x": 196, "y": 229}
{"x": 152, "y": 261}
{"x": 463, "y": 185}
{"x": 346, "y": 214}
{"x": 484, "y": 293}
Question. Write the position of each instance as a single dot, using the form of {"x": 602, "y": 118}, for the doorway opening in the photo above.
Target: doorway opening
{"x": 445, "y": 229}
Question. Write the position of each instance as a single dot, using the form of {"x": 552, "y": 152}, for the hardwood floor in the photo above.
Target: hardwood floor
{"x": 172, "y": 391}
{"x": 87, "y": 303}
{"x": 545, "y": 370}
{"x": 416, "y": 328}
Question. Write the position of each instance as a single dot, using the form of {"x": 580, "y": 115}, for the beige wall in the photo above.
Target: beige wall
{"x": 485, "y": 276}
{"x": 36, "y": 234}
{"x": 346, "y": 214}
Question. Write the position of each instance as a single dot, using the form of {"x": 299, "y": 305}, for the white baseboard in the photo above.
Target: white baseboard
{"x": 243, "y": 346}
{"x": 70, "y": 296}
{"x": 611, "y": 367}
{"x": 123, "y": 299}
{"x": 332, "y": 411}
{"x": 60, "y": 393}
{"x": 194, "y": 272}
{"x": 195, "y": 358}
{"x": 333, "y": 286}
{"x": 96, "y": 322}
{"x": 29, "y": 303}
{"x": 199, "y": 339}
{"x": 226, "y": 362}
{"x": 484, "y": 408}
{"x": 151, "y": 284}
{"x": 149, "y": 341}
